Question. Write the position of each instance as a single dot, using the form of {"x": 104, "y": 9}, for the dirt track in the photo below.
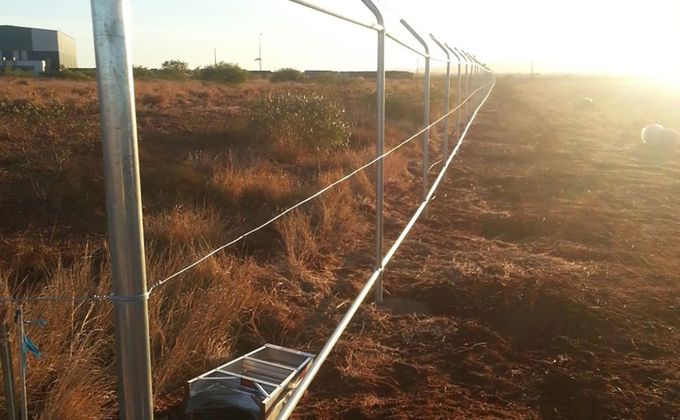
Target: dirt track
{"x": 544, "y": 282}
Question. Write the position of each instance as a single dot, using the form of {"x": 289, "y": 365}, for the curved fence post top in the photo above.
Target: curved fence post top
{"x": 463, "y": 56}
{"x": 416, "y": 36}
{"x": 448, "y": 56}
{"x": 472, "y": 59}
{"x": 453, "y": 51}
{"x": 374, "y": 9}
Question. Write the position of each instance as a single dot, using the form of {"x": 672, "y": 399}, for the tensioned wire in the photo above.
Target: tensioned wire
{"x": 313, "y": 196}
{"x": 158, "y": 283}
{"x": 320, "y": 358}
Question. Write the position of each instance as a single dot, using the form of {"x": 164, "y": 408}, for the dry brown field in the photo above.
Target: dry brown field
{"x": 543, "y": 282}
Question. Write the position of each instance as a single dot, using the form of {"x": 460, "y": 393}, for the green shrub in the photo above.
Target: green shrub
{"x": 331, "y": 78}
{"x": 174, "y": 69}
{"x": 152, "y": 100}
{"x": 19, "y": 107}
{"x": 47, "y": 112}
{"x": 309, "y": 121}
{"x": 71, "y": 74}
{"x": 399, "y": 106}
{"x": 141, "y": 72}
{"x": 286, "y": 75}
{"x": 12, "y": 72}
{"x": 224, "y": 73}
{"x": 404, "y": 106}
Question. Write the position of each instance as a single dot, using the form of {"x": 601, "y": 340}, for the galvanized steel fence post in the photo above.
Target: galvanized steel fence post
{"x": 471, "y": 82}
{"x": 7, "y": 372}
{"x": 426, "y": 106}
{"x": 475, "y": 77}
{"x": 466, "y": 87}
{"x": 19, "y": 319}
{"x": 458, "y": 94}
{"x": 379, "y": 147}
{"x": 447, "y": 88}
{"x": 375, "y": 280}
{"x": 124, "y": 208}
{"x": 476, "y": 80}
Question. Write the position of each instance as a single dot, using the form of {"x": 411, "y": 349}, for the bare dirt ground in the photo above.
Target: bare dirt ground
{"x": 544, "y": 282}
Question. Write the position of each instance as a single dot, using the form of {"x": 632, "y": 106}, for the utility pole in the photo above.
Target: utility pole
{"x": 123, "y": 208}
{"x": 259, "y": 52}
{"x": 215, "y": 55}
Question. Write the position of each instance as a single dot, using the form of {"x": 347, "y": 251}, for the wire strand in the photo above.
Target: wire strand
{"x": 311, "y": 197}
{"x": 112, "y": 298}
{"x": 56, "y": 299}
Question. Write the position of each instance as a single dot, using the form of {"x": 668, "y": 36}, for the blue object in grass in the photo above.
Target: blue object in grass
{"x": 28, "y": 345}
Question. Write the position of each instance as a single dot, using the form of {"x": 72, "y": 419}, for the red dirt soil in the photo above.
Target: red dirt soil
{"x": 544, "y": 281}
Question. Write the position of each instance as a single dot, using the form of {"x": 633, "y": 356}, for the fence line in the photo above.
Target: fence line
{"x": 328, "y": 347}
{"x": 121, "y": 175}
{"x": 472, "y": 79}
{"x": 311, "y": 197}
{"x": 154, "y": 285}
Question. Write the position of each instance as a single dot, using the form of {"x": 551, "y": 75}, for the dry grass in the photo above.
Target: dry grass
{"x": 559, "y": 288}
{"x": 204, "y": 180}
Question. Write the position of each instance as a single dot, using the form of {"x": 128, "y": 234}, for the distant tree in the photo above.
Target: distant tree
{"x": 175, "y": 66}
{"x": 224, "y": 73}
{"x": 286, "y": 75}
{"x": 141, "y": 72}
{"x": 175, "y": 69}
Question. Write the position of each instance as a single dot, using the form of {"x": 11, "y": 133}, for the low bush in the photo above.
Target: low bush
{"x": 399, "y": 106}
{"x": 19, "y": 106}
{"x": 141, "y": 72}
{"x": 12, "y": 72}
{"x": 174, "y": 70}
{"x": 286, "y": 75}
{"x": 223, "y": 73}
{"x": 152, "y": 100}
{"x": 71, "y": 74}
{"x": 331, "y": 78}
{"x": 404, "y": 106}
{"x": 309, "y": 121}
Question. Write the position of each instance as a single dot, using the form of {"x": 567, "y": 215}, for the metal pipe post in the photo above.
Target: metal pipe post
{"x": 458, "y": 91}
{"x": 447, "y": 88}
{"x": 379, "y": 148}
{"x": 426, "y": 106}
{"x": 124, "y": 208}
{"x": 477, "y": 81}
{"x": 466, "y": 88}
{"x": 7, "y": 372}
{"x": 322, "y": 355}
{"x": 472, "y": 78}
{"x": 471, "y": 81}
{"x": 339, "y": 16}
{"x": 19, "y": 319}
{"x": 475, "y": 77}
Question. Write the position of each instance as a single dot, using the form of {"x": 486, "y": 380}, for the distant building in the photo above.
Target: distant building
{"x": 31, "y": 45}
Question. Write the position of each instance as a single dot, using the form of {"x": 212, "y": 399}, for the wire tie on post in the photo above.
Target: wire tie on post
{"x": 129, "y": 299}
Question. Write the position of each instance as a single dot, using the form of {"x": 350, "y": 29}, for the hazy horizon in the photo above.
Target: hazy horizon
{"x": 565, "y": 37}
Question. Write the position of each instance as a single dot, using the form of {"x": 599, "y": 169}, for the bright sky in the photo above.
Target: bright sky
{"x": 558, "y": 35}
